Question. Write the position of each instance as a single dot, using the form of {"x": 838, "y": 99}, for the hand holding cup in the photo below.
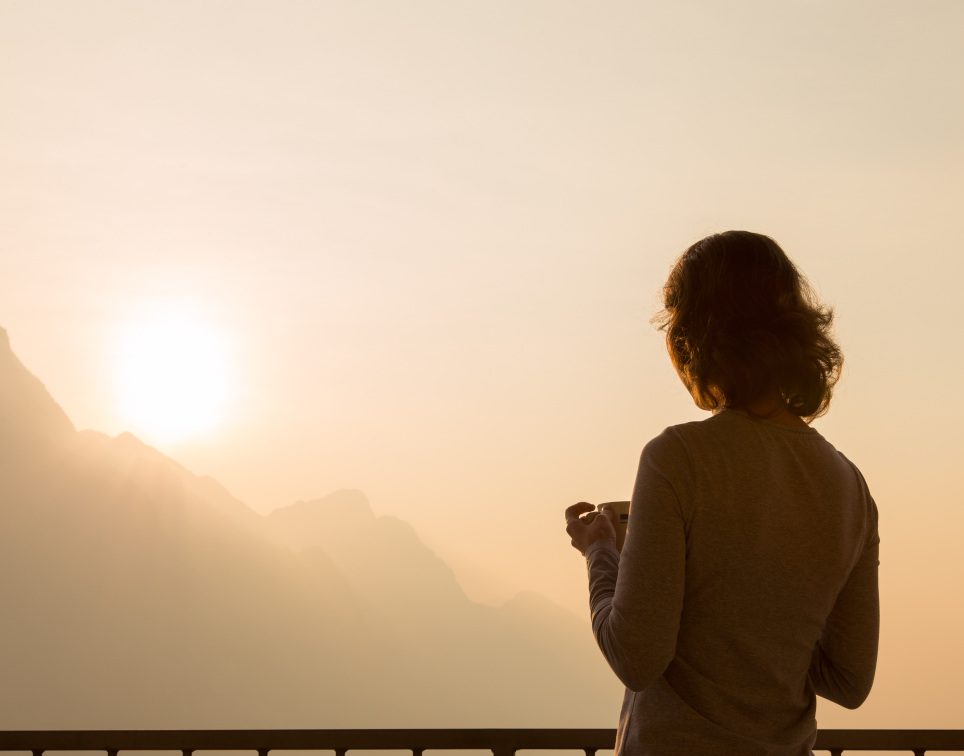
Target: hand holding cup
{"x": 585, "y": 526}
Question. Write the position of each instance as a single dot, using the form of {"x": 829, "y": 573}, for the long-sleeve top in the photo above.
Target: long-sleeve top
{"x": 747, "y": 585}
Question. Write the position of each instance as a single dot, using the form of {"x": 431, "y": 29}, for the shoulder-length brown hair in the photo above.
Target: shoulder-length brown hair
{"x": 742, "y": 324}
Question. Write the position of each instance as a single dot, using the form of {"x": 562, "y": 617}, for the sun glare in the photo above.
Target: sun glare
{"x": 173, "y": 375}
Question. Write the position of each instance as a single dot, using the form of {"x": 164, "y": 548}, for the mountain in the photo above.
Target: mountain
{"x": 30, "y": 420}
{"x": 136, "y": 594}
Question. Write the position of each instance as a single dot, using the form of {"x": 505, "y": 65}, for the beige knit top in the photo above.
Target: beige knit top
{"x": 747, "y": 586}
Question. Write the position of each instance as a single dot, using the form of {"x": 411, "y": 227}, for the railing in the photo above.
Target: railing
{"x": 502, "y": 742}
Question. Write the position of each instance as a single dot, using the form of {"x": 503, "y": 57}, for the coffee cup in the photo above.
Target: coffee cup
{"x": 621, "y": 510}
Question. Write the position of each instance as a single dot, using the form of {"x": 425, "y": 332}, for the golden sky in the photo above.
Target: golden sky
{"x": 413, "y": 248}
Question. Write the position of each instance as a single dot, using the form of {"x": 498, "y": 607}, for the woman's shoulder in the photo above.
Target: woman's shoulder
{"x": 675, "y": 443}
{"x": 720, "y": 425}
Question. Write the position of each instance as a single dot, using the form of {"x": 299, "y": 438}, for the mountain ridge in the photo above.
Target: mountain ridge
{"x": 27, "y": 411}
{"x": 140, "y": 595}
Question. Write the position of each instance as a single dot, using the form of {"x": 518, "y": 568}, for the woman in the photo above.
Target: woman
{"x": 747, "y": 584}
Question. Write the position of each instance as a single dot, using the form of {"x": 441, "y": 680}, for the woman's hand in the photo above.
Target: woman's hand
{"x": 584, "y": 534}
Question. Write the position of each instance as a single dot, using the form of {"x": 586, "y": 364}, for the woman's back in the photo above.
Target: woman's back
{"x": 774, "y": 521}
{"x": 742, "y": 535}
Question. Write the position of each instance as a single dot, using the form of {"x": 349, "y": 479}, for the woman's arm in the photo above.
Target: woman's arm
{"x": 844, "y": 662}
{"x": 636, "y": 598}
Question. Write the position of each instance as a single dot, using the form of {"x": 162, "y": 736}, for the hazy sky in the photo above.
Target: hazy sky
{"x": 414, "y": 247}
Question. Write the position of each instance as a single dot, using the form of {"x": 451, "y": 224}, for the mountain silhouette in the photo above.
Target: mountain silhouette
{"x": 136, "y": 594}
{"x": 30, "y": 420}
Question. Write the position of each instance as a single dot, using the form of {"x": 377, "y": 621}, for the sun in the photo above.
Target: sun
{"x": 173, "y": 375}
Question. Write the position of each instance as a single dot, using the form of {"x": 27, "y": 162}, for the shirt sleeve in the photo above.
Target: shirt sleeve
{"x": 636, "y": 597}
{"x": 845, "y": 659}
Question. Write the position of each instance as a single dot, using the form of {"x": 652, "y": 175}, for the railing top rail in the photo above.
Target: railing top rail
{"x": 891, "y": 740}
{"x": 356, "y": 739}
{"x": 501, "y": 740}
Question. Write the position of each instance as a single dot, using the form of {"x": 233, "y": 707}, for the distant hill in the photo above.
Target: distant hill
{"x": 138, "y": 595}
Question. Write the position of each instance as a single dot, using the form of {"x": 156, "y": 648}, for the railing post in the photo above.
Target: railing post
{"x": 503, "y": 751}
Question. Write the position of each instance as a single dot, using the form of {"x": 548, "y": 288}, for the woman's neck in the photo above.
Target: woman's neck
{"x": 775, "y": 410}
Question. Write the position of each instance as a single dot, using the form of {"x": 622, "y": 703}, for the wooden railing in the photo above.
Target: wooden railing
{"x": 501, "y": 742}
